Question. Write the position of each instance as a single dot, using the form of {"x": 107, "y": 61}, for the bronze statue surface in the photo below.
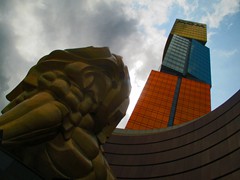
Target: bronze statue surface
{"x": 64, "y": 109}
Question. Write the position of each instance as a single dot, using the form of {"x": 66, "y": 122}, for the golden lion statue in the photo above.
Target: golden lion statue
{"x": 64, "y": 109}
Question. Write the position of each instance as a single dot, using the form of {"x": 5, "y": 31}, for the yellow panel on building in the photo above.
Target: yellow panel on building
{"x": 193, "y": 30}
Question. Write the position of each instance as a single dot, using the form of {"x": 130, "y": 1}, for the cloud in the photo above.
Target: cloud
{"x": 137, "y": 86}
{"x": 3, "y": 76}
{"x": 220, "y": 10}
{"x": 188, "y": 7}
{"x": 148, "y": 13}
{"x": 27, "y": 28}
{"x": 229, "y": 25}
{"x": 210, "y": 35}
{"x": 10, "y": 64}
{"x": 43, "y": 26}
{"x": 225, "y": 53}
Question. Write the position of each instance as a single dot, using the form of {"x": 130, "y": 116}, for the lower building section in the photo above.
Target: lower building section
{"x": 168, "y": 100}
{"x": 193, "y": 101}
{"x": 154, "y": 105}
{"x": 206, "y": 148}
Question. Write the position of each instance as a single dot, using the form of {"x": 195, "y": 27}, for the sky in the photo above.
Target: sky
{"x": 135, "y": 29}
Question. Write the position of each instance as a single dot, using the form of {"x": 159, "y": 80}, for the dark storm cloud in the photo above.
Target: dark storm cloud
{"x": 4, "y": 41}
{"x": 6, "y": 46}
{"x": 11, "y": 62}
{"x": 81, "y": 24}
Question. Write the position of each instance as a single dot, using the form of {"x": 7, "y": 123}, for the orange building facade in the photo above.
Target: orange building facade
{"x": 154, "y": 105}
{"x": 193, "y": 101}
{"x": 180, "y": 92}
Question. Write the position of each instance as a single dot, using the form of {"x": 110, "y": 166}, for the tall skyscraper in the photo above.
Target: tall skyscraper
{"x": 180, "y": 91}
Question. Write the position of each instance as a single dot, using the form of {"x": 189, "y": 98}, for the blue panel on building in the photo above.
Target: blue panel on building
{"x": 199, "y": 62}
